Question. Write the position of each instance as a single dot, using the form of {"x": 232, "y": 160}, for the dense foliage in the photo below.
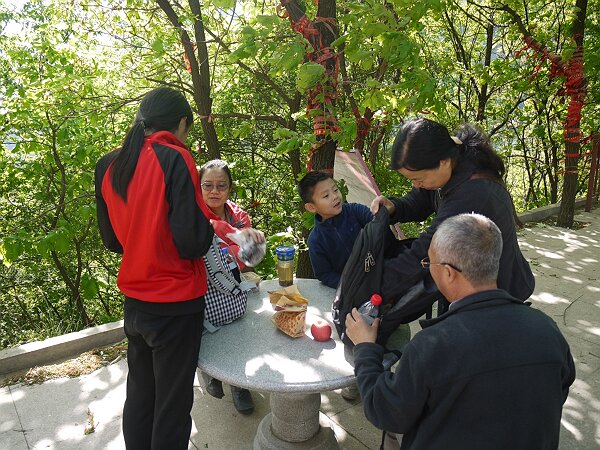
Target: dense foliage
{"x": 72, "y": 74}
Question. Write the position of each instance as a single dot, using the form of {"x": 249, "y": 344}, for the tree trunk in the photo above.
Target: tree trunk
{"x": 201, "y": 80}
{"x": 576, "y": 90}
{"x": 320, "y": 33}
{"x": 569, "y": 191}
{"x": 322, "y": 97}
{"x": 483, "y": 95}
{"x": 200, "y": 72}
{"x": 74, "y": 288}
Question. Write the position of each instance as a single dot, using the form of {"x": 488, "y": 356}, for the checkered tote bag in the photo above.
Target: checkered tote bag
{"x": 225, "y": 299}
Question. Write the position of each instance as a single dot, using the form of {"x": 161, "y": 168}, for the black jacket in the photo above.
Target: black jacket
{"x": 462, "y": 194}
{"x": 491, "y": 373}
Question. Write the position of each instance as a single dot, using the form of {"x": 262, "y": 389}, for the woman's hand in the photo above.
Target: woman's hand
{"x": 358, "y": 330}
{"x": 380, "y": 201}
{"x": 252, "y": 245}
{"x": 252, "y": 234}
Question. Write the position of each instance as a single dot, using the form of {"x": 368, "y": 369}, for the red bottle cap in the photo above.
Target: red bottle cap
{"x": 376, "y": 299}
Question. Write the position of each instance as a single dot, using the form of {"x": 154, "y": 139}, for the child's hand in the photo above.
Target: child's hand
{"x": 380, "y": 201}
{"x": 358, "y": 330}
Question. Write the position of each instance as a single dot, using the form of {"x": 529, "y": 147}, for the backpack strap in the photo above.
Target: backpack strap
{"x": 218, "y": 275}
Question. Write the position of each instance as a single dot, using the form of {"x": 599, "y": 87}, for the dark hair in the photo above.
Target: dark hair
{"x": 422, "y": 143}
{"x": 306, "y": 186}
{"x": 161, "y": 109}
{"x": 216, "y": 164}
{"x": 476, "y": 147}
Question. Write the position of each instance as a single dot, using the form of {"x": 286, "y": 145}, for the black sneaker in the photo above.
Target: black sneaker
{"x": 242, "y": 400}
{"x": 213, "y": 386}
{"x": 350, "y": 393}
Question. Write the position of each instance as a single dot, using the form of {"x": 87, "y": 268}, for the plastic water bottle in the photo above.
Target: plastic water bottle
{"x": 231, "y": 264}
{"x": 228, "y": 257}
{"x": 285, "y": 264}
{"x": 370, "y": 309}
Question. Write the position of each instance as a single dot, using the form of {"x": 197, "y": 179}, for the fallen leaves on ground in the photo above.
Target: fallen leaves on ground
{"x": 84, "y": 364}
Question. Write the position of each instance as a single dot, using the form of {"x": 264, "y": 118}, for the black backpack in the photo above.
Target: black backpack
{"x": 363, "y": 275}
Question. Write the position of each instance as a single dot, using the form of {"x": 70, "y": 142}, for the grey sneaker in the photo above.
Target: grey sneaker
{"x": 350, "y": 393}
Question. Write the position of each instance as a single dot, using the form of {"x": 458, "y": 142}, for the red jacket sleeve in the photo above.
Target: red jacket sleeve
{"x": 241, "y": 219}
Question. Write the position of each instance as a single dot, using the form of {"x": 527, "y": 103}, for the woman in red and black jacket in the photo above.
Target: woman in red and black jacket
{"x": 150, "y": 209}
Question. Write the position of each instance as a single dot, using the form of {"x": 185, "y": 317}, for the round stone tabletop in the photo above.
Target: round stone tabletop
{"x": 252, "y": 353}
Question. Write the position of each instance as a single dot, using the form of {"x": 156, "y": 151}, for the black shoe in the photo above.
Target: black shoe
{"x": 242, "y": 400}
{"x": 213, "y": 386}
{"x": 351, "y": 393}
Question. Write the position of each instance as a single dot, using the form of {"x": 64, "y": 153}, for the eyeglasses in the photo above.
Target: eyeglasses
{"x": 425, "y": 263}
{"x": 208, "y": 186}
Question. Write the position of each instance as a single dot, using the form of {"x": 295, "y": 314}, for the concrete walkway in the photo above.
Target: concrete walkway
{"x": 85, "y": 412}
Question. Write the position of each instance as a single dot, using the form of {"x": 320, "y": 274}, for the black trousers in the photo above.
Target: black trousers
{"x": 162, "y": 357}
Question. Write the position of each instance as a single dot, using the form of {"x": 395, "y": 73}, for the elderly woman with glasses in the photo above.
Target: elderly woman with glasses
{"x": 217, "y": 183}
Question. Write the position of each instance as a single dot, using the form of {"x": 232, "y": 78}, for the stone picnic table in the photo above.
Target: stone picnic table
{"x": 252, "y": 353}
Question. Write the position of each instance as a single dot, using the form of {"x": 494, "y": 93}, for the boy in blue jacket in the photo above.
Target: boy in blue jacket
{"x": 337, "y": 225}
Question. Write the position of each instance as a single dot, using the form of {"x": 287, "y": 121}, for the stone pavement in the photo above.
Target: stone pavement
{"x": 567, "y": 271}
{"x": 85, "y": 412}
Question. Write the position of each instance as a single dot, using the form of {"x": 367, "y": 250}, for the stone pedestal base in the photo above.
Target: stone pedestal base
{"x": 293, "y": 423}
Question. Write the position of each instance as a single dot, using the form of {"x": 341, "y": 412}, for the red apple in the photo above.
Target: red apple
{"x": 320, "y": 330}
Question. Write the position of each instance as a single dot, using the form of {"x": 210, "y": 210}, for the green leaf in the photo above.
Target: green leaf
{"x": 281, "y": 148}
{"x": 366, "y": 62}
{"x": 288, "y": 60}
{"x": 89, "y": 287}
{"x": 43, "y": 247}
{"x": 294, "y": 143}
{"x": 375, "y": 29}
{"x": 86, "y": 212}
{"x": 248, "y": 32}
{"x": 374, "y": 100}
{"x": 243, "y": 131}
{"x": 293, "y": 56}
{"x": 339, "y": 41}
{"x": 268, "y": 21}
{"x": 158, "y": 47}
{"x": 308, "y": 220}
{"x": 247, "y": 50}
{"x": 61, "y": 244}
{"x": 343, "y": 187}
{"x": 240, "y": 53}
{"x": 283, "y": 133}
{"x": 55, "y": 240}
{"x": 309, "y": 74}
{"x": 225, "y": 4}
{"x": 372, "y": 83}
{"x": 13, "y": 248}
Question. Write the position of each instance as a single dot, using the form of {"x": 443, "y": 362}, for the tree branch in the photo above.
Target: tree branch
{"x": 260, "y": 75}
{"x": 267, "y": 118}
